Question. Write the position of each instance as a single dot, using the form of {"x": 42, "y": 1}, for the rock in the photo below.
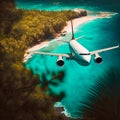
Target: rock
{"x": 81, "y": 12}
{"x": 59, "y": 110}
{"x": 63, "y": 33}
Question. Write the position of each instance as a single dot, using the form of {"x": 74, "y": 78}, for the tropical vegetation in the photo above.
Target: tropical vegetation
{"x": 22, "y": 94}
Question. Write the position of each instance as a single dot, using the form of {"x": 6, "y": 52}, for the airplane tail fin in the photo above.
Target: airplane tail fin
{"x": 73, "y": 37}
{"x": 72, "y": 30}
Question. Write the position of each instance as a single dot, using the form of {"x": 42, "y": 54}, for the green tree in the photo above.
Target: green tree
{"x": 7, "y": 5}
{"x": 21, "y": 96}
{"x": 8, "y": 16}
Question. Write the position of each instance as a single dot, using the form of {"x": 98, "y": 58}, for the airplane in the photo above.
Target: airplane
{"x": 78, "y": 52}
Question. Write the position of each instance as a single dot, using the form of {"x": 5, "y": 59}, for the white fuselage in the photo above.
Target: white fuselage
{"x": 79, "y": 53}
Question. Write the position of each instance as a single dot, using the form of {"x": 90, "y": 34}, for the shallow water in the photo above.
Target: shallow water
{"x": 99, "y": 33}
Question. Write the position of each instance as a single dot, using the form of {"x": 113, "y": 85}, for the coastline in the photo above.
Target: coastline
{"x": 85, "y": 19}
{"x": 38, "y": 46}
{"x": 67, "y": 28}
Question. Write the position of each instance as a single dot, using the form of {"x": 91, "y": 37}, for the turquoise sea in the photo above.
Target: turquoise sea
{"x": 99, "y": 33}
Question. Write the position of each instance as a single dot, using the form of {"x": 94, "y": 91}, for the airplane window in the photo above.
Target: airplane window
{"x": 84, "y": 54}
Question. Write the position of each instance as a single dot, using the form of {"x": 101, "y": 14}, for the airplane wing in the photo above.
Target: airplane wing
{"x": 79, "y": 38}
{"x": 103, "y": 50}
{"x": 53, "y": 54}
{"x": 69, "y": 40}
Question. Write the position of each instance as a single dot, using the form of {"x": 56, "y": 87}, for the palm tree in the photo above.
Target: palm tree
{"x": 103, "y": 100}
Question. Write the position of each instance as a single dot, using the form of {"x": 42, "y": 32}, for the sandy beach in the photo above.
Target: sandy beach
{"x": 27, "y": 54}
{"x": 85, "y": 19}
{"x": 39, "y": 46}
{"x": 77, "y": 22}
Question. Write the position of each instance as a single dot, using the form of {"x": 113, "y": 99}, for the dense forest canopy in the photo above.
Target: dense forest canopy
{"x": 21, "y": 96}
{"x": 31, "y": 26}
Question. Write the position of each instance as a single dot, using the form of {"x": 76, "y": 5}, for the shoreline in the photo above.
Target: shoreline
{"x": 86, "y": 19}
{"x": 38, "y": 46}
{"x": 67, "y": 28}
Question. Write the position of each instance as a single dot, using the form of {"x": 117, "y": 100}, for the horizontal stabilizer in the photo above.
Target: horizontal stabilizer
{"x": 79, "y": 38}
{"x": 69, "y": 40}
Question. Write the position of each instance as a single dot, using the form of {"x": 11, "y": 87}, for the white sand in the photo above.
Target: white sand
{"x": 39, "y": 46}
{"x": 85, "y": 19}
{"x": 29, "y": 51}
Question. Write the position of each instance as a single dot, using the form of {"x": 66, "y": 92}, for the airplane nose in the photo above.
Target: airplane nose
{"x": 83, "y": 62}
{"x": 86, "y": 60}
{"x": 87, "y": 63}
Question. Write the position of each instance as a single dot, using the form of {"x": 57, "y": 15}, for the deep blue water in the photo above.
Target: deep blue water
{"x": 98, "y": 34}
{"x": 111, "y": 5}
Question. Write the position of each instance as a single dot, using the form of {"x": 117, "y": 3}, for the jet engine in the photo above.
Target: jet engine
{"x": 98, "y": 59}
{"x": 60, "y": 61}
